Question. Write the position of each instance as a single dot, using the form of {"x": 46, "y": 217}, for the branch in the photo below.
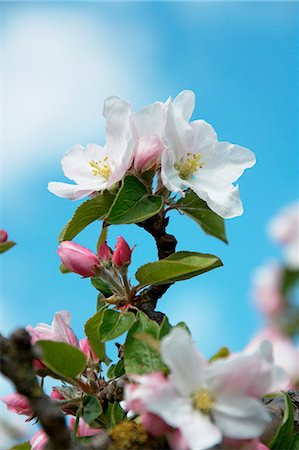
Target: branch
{"x": 17, "y": 355}
{"x": 166, "y": 244}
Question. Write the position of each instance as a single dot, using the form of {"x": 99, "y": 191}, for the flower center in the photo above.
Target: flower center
{"x": 189, "y": 164}
{"x": 101, "y": 168}
{"x": 203, "y": 401}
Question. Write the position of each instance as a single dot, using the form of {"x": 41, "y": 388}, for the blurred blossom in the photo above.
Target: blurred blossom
{"x": 267, "y": 289}
{"x": 84, "y": 429}
{"x": 3, "y": 236}
{"x": 86, "y": 348}
{"x": 17, "y": 403}
{"x": 285, "y": 352}
{"x": 284, "y": 229}
{"x": 39, "y": 440}
{"x": 59, "y": 330}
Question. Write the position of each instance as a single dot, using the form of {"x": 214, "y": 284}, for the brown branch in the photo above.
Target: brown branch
{"x": 17, "y": 356}
{"x": 166, "y": 244}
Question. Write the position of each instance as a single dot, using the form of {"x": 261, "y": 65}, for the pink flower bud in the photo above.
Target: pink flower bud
{"x": 84, "y": 429}
{"x": 17, "y": 403}
{"x": 105, "y": 252}
{"x": 39, "y": 440}
{"x": 78, "y": 259}
{"x": 122, "y": 253}
{"x": 148, "y": 153}
{"x": 55, "y": 394}
{"x": 3, "y": 236}
{"x": 154, "y": 425}
{"x": 87, "y": 350}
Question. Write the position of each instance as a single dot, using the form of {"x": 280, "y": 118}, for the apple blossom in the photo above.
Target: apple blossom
{"x": 285, "y": 353}
{"x": 105, "y": 252}
{"x": 3, "y": 236}
{"x": 59, "y": 330}
{"x": 78, "y": 259}
{"x": 56, "y": 395}
{"x": 97, "y": 168}
{"x": 17, "y": 403}
{"x": 83, "y": 429}
{"x": 122, "y": 253}
{"x": 206, "y": 401}
{"x": 195, "y": 159}
{"x": 267, "y": 293}
{"x": 284, "y": 229}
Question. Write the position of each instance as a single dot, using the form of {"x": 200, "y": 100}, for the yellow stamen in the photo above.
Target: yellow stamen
{"x": 189, "y": 164}
{"x": 101, "y": 168}
{"x": 203, "y": 401}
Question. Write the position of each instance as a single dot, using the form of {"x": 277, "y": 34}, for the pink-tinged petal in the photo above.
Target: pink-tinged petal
{"x": 139, "y": 393}
{"x": 17, "y": 403}
{"x": 105, "y": 252}
{"x": 200, "y": 432}
{"x": 62, "y": 330}
{"x": 177, "y": 441}
{"x": 148, "y": 153}
{"x": 122, "y": 253}
{"x": 267, "y": 293}
{"x": 84, "y": 429}
{"x": 39, "y": 440}
{"x": 55, "y": 394}
{"x": 154, "y": 425}
{"x": 221, "y": 196}
{"x": 3, "y": 236}
{"x": 184, "y": 102}
{"x": 240, "y": 417}
{"x": 184, "y": 361}
{"x": 244, "y": 444}
{"x": 72, "y": 191}
{"x": 87, "y": 350}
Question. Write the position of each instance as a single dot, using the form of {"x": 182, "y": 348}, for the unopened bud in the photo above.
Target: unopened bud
{"x": 3, "y": 236}
{"x": 78, "y": 259}
{"x": 105, "y": 252}
{"x": 122, "y": 253}
{"x": 148, "y": 153}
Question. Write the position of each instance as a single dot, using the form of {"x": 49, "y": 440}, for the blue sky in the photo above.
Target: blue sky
{"x": 61, "y": 60}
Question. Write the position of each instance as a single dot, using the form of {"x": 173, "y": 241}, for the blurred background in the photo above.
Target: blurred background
{"x": 59, "y": 61}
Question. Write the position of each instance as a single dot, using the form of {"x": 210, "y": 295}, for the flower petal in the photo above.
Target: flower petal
{"x": 71, "y": 191}
{"x": 76, "y": 163}
{"x": 184, "y": 103}
{"x": 200, "y": 432}
{"x": 150, "y": 121}
{"x": 240, "y": 417}
{"x": 109, "y": 103}
{"x": 179, "y": 134}
{"x": 170, "y": 176}
{"x": 185, "y": 362}
{"x": 221, "y": 196}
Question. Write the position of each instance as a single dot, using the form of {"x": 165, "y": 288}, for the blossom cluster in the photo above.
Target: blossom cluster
{"x": 159, "y": 137}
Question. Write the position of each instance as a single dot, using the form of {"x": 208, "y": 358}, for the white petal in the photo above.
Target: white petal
{"x": 170, "y": 176}
{"x": 184, "y": 361}
{"x": 225, "y": 160}
{"x": 200, "y": 432}
{"x": 241, "y": 417}
{"x": 150, "y": 121}
{"x": 76, "y": 163}
{"x": 109, "y": 103}
{"x": 221, "y": 196}
{"x": 185, "y": 102}
{"x": 204, "y": 135}
{"x": 179, "y": 134}
{"x": 71, "y": 191}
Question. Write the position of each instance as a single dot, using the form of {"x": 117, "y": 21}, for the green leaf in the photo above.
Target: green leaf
{"x": 100, "y": 303}
{"x": 114, "y": 324}
{"x": 117, "y": 414}
{"x": 284, "y": 435}
{"x": 4, "y": 246}
{"x": 64, "y": 269}
{"x": 23, "y": 446}
{"x": 295, "y": 442}
{"x": 133, "y": 204}
{"x": 176, "y": 267}
{"x": 89, "y": 211}
{"x": 116, "y": 370}
{"x": 165, "y": 328}
{"x": 62, "y": 358}
{"x": 91, "y": 409}
{"x": 91, "y": 329}
{"x": 139, "y": 357}
{"x": 289, "y": 279}
{"x": 199, "y": 211}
